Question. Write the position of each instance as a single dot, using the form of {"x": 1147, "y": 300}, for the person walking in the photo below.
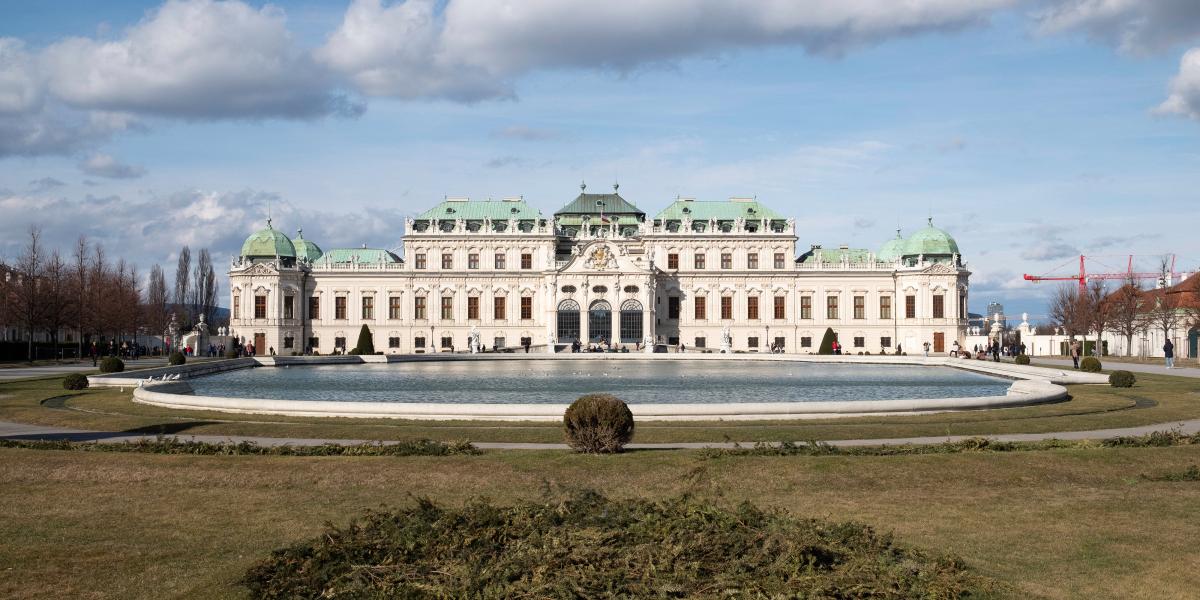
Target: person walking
{"x": 1075, "y": 352}
{"x": 926, "y": 349}
{"x": 1169, "y": 353}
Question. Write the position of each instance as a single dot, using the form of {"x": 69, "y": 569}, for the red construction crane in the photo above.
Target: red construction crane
{"x": 1084, "y": 276}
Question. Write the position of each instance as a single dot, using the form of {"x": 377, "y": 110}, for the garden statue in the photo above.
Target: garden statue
{"x": 473, "y": 340}
{"x": 726, "y": 341}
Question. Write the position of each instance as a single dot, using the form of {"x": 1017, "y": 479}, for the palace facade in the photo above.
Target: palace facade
{"x": 599, "y": 270}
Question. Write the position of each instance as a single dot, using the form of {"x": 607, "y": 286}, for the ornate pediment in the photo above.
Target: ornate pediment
{"x": 261, "y": 269}
{"x": 940, "y": 269}
{"x": 603, "y": 257}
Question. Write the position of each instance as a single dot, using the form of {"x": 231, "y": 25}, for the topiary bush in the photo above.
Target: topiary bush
{"x": 75, "y": 381}
{"x": 177, "y": 358}
{"x": 1021, "y": 359}
{"x": 598, "y": 424}
{"x": 366, "y": 343}
{"x": 1121, "y": 379}
{"x": 1090, "y": 364}
{"x": 112, "y": 364}
{"x": 827, "y": 342}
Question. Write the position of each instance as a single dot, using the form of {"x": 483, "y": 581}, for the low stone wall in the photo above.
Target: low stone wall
{"x": 196, "y": 369}
{"x": 1033, "y": 385}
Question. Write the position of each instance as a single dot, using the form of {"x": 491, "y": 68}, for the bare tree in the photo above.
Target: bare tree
{"x": 98, "y": 291}
{"x": 56, "y": 297}
{"x": 26, "y": 290}
{"x": 1164, "y": 311}
{"x": 1067, "y": 310}
{"x": 79, "y": 276}
{"x": 1125, "y": 307}
{"x": 183, "y": 296}
{"x": 157, "y": 299}
{"x": 1099, "y": 312}
{"x": 204, "y": 283}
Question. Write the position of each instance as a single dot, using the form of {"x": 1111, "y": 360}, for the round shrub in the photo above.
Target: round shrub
{"x": 112, "y": 364}
{"x": 1121, "y": 379}
{"x": 1090, "y": 364}
{"x": 177, "y": 358}
{"x": 75, "y": 381}
{"x": 598, "y": 424}
{"x": 1021, "y": 359}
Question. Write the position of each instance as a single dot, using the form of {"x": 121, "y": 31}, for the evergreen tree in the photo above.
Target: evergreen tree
{"x": 366, "y": 343}
{"x": 827, "y": 342}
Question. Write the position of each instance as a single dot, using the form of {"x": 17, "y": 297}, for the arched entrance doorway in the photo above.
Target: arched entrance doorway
{"x": 600, "y": 322}
{"x": 568, "y": 322}
{"x": 1193, "y": 342}
{"x": 631, "y": 322}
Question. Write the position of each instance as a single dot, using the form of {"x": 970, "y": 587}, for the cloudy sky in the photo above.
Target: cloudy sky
{"x": 1033, "y": 130}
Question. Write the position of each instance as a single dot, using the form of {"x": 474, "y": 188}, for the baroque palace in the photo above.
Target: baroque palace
{"x": 704, "y": 274}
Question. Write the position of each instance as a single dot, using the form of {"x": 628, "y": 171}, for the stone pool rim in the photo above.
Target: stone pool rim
{"x": 1031, "y": 385}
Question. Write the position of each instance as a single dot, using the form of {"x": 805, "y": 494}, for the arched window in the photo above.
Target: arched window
{"x": 568, "y": 321}
{"x": 631, "y": 322}
{"x": 600, "y": 322}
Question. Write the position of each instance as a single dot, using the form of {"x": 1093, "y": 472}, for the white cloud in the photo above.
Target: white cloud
{"x": 474, "y": 49}
{"x": 105, "y": 165}
{"x": 1133, "y": 26}
{"x": 1184, "y": 99}
{"x": 527, "y": 134}
{"x": 20, "y": 89}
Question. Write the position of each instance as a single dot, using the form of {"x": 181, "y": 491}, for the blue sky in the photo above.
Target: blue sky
{"x": 1032, "y": 131}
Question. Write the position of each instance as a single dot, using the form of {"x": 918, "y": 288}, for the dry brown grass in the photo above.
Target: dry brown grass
{"x": 1059, "y": 524}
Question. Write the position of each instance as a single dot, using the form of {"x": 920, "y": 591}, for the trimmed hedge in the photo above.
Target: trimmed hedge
{"x": 1121, "y": 379}
{"x": 589, "y": 546}
{"x": 75, "y": 381}
{"x": 1090, "y": 364}
{"x": 112, "y": 364}
{"x": 1021, "y": 359}
{"x": 598, "y": 424}
{"x": 177, "y": 358}
{"x": 827, "y": 342}
{"x": 366, "y": 342}
{"x": 170, "y": 445}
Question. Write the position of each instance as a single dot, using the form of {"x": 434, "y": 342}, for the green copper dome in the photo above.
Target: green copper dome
{"x": 306, "y": 250}
{"x": 891, "y": 249}
{"x": 930, "y": 241}
{"x": 268, "y": 243}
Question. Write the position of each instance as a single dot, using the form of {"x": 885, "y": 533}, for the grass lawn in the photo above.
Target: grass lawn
{"x": 1078, "y": 523}
{"x": 1155, "y": 399}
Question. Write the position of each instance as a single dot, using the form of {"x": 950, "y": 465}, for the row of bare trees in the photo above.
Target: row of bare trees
{"x": 85, "y": 292}
{"x": 1126, "y": 311}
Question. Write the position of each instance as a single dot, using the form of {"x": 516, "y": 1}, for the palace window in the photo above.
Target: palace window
{"x": 472, "y": 307}
{"x": 885, "y": 342}
{"x": 339, "y": 307}
{"x": 569, "y": 289}
{"x": 500, "y": 261}
{"x": 419, "y": 261}
{"x": 860, "y": 307}
{"x": 289, "y": 342}
{"x": 419, "y": 307}
{"x": 779, "y": 260}
{"x": 599, "y": 289}
{"x": 473, "y": 261}
{"x": 752, "y": 308}
{"x": 447, "y": 261}
{"x": 806, "y": 342}
{"x": 368, "y": 308}
{"x": 752, "y": 260}
{"x": 526, "y": 307}
{"x": 419, "y": 342}
{"x": 499, "y": 342}
{"x": 860, "y": 342}
{"x": 701, "y": 343}
{"x": 237, "y": 307}
{"x": 752, "y": 342}
{"x": 314, "y": 307}
{"x": 831, "y": 307}
{"x": 885, "y": 307}
{"x": 779, "y": 342}
{"x": 939, "y": 307}
{"x": 526, "y": 261}
{"x": 910, "y": 307}
{"x": 393, "y": 342}
{"x": 699, "y": 260}
{"x": 700, "y": 308}
{"x": 805, "y": 307}
{"x": 447, "y": 342}
{"x": 339, "y": 343}
{"x": 726, "y": 260}
{"x": 314, "y": 343}
{"x": 447, "y": 308}
{"x": 394, "y": 308}
{"x": 780, "y": 307}
{"x": 289, "y": 302}
{"x": 499, "y": 310}
{"x": 260, "y": 307}
{"x": 726, "y": 307}
{"x": 672, "y": 307}
{"x": 672, "y": 261}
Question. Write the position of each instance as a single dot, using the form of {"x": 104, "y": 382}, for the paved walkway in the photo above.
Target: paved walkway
{"x": 1157, "y": 369}
{"x": 20, "y": 431}
{"x": 85, "y": 366}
